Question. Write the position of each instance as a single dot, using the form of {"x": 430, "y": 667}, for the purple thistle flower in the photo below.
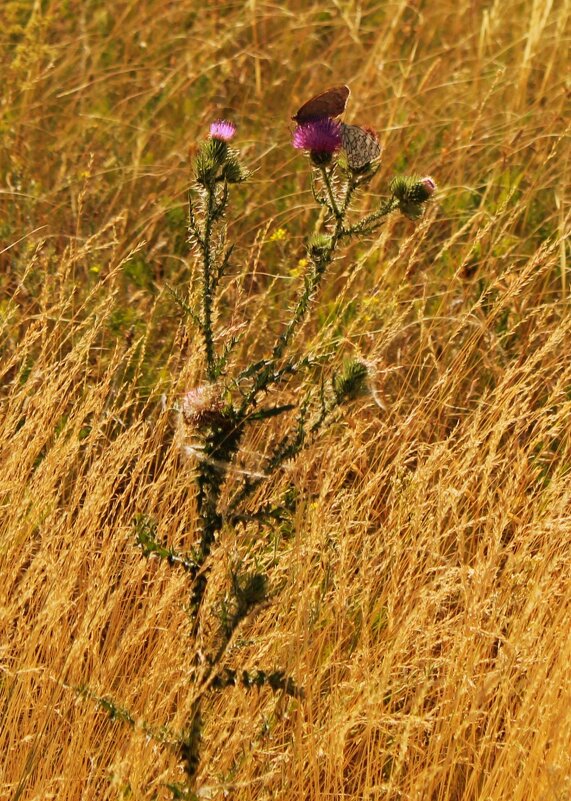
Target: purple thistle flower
{"x": 321, "y": 137}
{"x": 222, "y": 130}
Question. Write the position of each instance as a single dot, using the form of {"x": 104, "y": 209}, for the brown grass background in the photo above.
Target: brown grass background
{"x": 420, "y": 595}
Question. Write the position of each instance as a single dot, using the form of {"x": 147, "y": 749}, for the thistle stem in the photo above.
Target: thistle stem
{"x": 266, "y": 375}
{"x": 369, "y": 223}
{"x": 207, "y": 280}
{"x": 327, "y": 181}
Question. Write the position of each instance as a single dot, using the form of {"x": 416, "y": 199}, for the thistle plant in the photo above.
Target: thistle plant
{"x": 213, "y": 417}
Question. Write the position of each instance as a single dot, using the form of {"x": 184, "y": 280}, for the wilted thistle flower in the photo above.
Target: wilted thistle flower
{"x": 222, "y": 130}
{"x": 321, "y": 137}
{"x": 202, "y": 406}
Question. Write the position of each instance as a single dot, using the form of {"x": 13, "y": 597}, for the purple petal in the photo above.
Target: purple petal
{"x": 222, "y": 129}
{"x": 320, "y": 136}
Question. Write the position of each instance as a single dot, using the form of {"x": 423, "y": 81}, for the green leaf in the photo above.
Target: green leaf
{"x": 273, "y": 411}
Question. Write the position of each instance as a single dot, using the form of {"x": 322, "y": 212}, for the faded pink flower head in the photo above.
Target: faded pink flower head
{"x": 429, "y": 185}
{"x": 202, "y": 405}
{"x": 223, "y": 130}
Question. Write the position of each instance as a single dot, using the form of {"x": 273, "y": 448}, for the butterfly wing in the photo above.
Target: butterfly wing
{"x": 360, "y": 145}
{"x": 330, "y": 103}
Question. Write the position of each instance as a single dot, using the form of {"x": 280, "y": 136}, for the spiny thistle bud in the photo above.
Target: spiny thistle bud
{"x": 206, "y": 165}
{"x": 411, "y": 210}
{"x": 402, "y": 186}
{"x": 412, "y": 192}
{"x": 318, "y": 245}
{"x": 214, "y": 156}
{"x": 233, "y": 172}
{"x": 349, "y": 383}
{"x": 422, "y": 189}
{"x": 218, "y": 149}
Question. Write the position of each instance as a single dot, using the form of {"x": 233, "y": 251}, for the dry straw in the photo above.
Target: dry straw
{"x": 419, "y": 590}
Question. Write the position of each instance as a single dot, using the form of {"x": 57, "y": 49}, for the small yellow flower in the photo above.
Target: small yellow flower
{"x": 299, "y": 268}
{"x": 278, "y": 235}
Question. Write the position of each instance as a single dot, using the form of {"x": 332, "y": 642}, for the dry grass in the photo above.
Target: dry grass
{"x": 421, "y": 593}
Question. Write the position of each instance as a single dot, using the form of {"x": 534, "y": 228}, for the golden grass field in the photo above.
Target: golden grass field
{"x": 420, "y": 595}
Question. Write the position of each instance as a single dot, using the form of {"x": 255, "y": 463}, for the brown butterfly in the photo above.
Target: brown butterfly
{"x": 360, "y": 144}
{"x": 330, "y": 103}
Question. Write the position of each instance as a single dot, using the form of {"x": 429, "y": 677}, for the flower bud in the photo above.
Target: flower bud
{"x": 318, "y": 245}
{"x": 350, "y": 382}
{"x": 233, "y": 172}
{"x": 401, "y": 187}
{"x": 218, "y": 150}
{"x": 411, "y": 193}
{"x": 422, "y": 189}
{"x": 207, "y": 164}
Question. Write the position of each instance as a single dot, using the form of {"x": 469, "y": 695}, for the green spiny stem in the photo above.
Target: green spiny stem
{"x": 266, "y": 376}
{"x": 207, "y": 283}
{"x": 352, "y": 184}
{"x": 150, "y": 546}
{"x": 219, "y": 445}
{"x": 183, "y": 305}
{"x": 222, "y": 267}
{"x": 163, "y": 735}
{"x": 210, "y": 479}
{"x": 311, "y": 286}
{"x": 318, "y": 268}
{"x": 190, "y": 746}
{"x": 209, "y": 482}
{"x": 319, "y": 199}
{"x": 276, "y": 680}
{"x": 326, "y": 177}
{"x": 193, "y": 227}
{"x": 287, "y": 448}
{"x": 312, "y": 283}
{"x": 220, "y": 206}
{"x": 369, "y": 223}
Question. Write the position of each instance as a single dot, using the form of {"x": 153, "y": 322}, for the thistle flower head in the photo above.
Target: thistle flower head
{"x": 214, "y": 153}
{"x": 223, "y": 130}
{"x": 320, "y": 137}
{"x": 412, "y": 193}
{"x": 429, "y": 185}
{"x": 202, "y": 405}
